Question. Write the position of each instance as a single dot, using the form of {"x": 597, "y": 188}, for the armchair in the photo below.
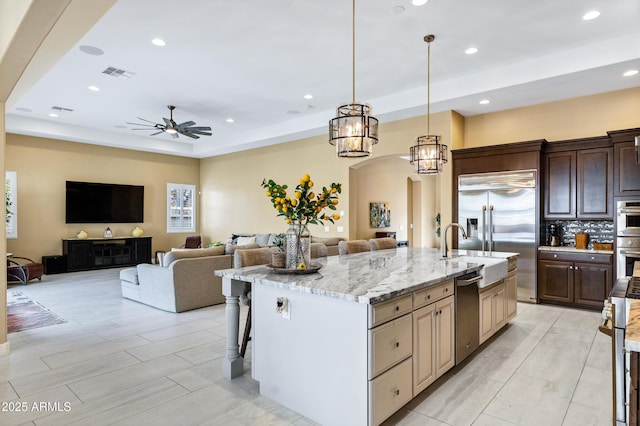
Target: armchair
{"x": 23, "y": 271}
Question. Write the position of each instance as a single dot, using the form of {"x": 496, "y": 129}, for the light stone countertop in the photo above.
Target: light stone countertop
{"x": 369, "y": 277}
{"x": 632, "y": 333}
{"x": 573, "y": 250}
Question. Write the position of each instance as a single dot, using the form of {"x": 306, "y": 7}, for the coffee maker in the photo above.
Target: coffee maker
{"x": 554, "y": 235}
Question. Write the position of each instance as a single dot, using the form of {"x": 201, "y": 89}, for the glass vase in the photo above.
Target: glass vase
{"x": 297, "y": 246}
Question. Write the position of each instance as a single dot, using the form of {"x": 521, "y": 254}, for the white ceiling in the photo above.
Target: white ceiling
{"x": 254, "y": 60}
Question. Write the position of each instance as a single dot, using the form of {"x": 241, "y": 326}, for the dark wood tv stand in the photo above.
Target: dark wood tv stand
{"x": 99, "y": 253}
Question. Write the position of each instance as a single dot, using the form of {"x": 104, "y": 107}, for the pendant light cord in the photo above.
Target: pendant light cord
{"x": 428, "y": 86}
{"x": 353, "y": 51}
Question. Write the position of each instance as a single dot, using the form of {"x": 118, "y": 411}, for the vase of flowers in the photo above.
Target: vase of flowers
{"x": 301, "y": 208}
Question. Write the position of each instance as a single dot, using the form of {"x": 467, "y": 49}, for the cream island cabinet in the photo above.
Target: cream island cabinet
{"x": 357, "y": 340}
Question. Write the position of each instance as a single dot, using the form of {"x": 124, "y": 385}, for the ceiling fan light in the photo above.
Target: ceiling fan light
{"x": 354, "y": 131}
{"x": 171, "y": 131}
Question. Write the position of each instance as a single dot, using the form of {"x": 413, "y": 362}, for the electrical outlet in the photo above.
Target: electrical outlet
{"x": 283, "y": 307}
{"x": 340, "y": 229}
{"x": 326, "y": 229}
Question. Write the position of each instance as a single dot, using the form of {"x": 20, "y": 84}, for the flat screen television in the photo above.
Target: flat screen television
{"x": 88, "y": 202}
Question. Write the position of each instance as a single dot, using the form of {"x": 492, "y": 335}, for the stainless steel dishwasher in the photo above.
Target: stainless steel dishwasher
{"x": 467, "y": 315}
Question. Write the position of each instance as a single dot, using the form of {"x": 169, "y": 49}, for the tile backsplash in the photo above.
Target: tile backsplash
{"x": 600, "y": 231}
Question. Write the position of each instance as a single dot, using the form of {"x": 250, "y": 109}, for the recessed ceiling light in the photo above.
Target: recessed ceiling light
{"x": 120, "y": 126}
{"x": 418, "y": 2}
{"x": 308, "y": 96}
{"x": 398, "y": 9}
{"x": 293, "y": 112}
{"x": 230, "y": 120}
{"x": 53, "y": 114}
{"x": 23, "y": 109}
{"x": 471, "y": 50}
{"x": 91, "y": 50}
{"x": 485, "y": 101}
{"x": 593, "y": 14}
{"x": 94, "y": 88}
{"x": 158, "y": 42}
{"x": 630, "y": 73}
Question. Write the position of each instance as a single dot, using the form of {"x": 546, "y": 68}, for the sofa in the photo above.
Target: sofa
{"x": 235, "y": 241}
{"x": 184, "y": 281}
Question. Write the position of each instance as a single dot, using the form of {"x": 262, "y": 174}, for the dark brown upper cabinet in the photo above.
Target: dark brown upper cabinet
{"x": 578, "y": 179}
{"x": 627, "y": 170}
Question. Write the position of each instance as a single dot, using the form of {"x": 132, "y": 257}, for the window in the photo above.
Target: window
{"x": 181, "y": 208}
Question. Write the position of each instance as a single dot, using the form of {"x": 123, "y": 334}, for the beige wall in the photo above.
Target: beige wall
{"x": 587, "y": 116}
{"x": 233, "y": 200}
{"x": 43, "y": 166}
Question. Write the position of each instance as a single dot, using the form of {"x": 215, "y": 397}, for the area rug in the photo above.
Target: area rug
{"x": 25, "y": 314}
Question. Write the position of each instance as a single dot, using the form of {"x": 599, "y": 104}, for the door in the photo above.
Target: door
{"x": 592, "y": 283}
{"x": 472, "y": 207}
{"x": 513, "y": 229}
{"x": 556, "y": 281}
{"x": 424, "y": 368}
{"x": 445, "y": 342}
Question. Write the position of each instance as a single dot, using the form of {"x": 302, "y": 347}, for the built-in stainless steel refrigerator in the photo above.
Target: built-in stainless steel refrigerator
{"x": 498, "y": 211}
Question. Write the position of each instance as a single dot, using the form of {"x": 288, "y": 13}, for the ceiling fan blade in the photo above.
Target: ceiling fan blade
{"x": 198, "y": 132}
{"x": 191, "y": 135}
{"x": 205, "y": 128}
{"x": 142, "y": 124}
{"x": 144, "y": 119}
{"x": 187, "y": 124}
{"x": 167, "y": 121}
{"x": 174, "y": 135}
{"x": 157, "y": 133}
{"x": 144, "y": 128}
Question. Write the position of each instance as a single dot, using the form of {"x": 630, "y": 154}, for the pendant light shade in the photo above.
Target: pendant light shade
{"x": 354, "y": 131}
{"x": 429, "y": 154}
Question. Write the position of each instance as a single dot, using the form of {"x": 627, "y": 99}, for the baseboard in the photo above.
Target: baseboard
{"x": 4, "y": 348}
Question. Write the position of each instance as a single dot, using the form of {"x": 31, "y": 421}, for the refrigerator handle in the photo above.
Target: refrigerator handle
{"x": 484, "y": 226}
{"x": 490, "y": 231}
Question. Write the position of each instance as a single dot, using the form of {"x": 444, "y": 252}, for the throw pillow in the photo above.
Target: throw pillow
{"x": 242, "y": 241}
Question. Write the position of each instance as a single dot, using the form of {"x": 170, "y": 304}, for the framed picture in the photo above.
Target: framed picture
{"x": 380, "y": 215}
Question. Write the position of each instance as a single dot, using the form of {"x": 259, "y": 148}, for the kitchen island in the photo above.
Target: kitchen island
{"x": 356, "y": 340}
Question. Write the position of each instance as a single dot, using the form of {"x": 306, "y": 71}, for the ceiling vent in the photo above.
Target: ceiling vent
{"x": 61, "y": 109}
{"x": 118, "y": 73}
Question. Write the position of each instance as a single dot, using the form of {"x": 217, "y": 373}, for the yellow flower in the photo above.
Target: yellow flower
{"x": 336, "y": 216}
{"x": 268, "y": 194}
{"x": 310, "y": 183}
{"x": 298, "y": 194}
{"x": 302, "y": 266}
{"x": 334, "y": 201}
{"x": 294, "y": 202}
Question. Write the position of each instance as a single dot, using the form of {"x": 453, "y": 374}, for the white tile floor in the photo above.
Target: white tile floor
{"x": 120, "y": 362}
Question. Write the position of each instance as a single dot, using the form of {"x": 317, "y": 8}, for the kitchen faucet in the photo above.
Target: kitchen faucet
{"x": 444, "y": 237}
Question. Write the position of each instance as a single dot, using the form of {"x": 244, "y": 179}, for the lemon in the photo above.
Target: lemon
{"x": 334, "y": 202}
{"x": 306, "y": 177}
{"x": 294, "y": 202}
{"x": 302, "y": 266}
{"x": 298, "y": 194}
{"x": 310, "y": 183}
{"x": 336, "y": 216}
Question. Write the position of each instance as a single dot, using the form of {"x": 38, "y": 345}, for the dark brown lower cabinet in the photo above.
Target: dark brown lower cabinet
{"x": 574, "y": 279}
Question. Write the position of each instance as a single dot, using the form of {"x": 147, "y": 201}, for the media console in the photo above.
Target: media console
{"x": 99, "y": 253}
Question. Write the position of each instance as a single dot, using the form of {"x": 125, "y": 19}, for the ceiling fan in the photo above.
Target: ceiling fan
{"x": 187, "y": 128}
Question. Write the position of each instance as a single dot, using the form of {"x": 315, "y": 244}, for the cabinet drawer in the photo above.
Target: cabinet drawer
{"x": 575, "y": 257}
{"x": 389, "y": 392}
{"x": 432, "y": 294}
{"x": 513, "y": 263}
{"x": 386, "y": 311}
{"x": 389, "y": 343}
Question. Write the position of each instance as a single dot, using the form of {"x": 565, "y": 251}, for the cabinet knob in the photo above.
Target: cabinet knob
{"x": 593, "y": 258}
{"x": 428, "y": 296}
{"x": 555, "y": 255}
{"x": 397, "y": 308}
{"x": 570, "y": 267}
{"x": 397, "y": 344}
{"x": 440, "y": 312}
{"x": 397, "y": 392}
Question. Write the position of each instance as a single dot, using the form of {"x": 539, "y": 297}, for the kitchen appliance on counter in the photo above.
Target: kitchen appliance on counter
{"x": 500, "y": 209}
{"x": 554, "y": 235}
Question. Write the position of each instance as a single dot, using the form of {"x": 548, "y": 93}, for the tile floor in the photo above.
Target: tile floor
{"x": 118, "y": 362}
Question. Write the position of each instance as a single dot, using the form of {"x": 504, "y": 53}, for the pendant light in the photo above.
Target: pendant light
{"x": 429, "y": 154}
{"x": 354, "y": 131}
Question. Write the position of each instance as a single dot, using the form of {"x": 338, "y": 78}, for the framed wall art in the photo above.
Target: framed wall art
{"x": 380, "y": 215}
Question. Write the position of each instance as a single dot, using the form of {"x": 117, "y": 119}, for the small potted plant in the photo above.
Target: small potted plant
{"x": 278, "y": 257}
